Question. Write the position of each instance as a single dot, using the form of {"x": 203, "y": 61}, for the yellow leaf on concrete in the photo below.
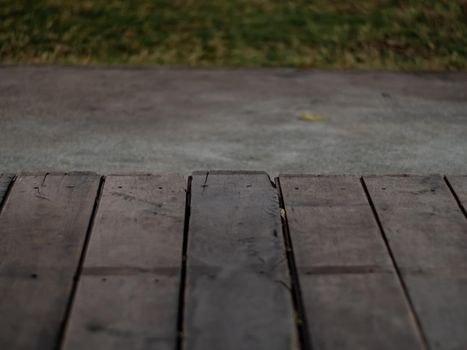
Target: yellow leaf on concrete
{"x": 310, "y": 117}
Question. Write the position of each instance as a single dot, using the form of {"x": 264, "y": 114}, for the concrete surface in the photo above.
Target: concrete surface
{"x": 179, "y": 119}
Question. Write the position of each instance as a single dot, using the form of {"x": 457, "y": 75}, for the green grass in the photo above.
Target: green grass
{"x": 389, "y": 34}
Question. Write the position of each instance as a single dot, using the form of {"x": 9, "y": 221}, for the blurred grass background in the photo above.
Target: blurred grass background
{"x": 385, "y": 34}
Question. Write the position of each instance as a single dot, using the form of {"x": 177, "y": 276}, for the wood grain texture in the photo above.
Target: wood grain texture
{"x": 127, "y": 297}
{"x": 459, "y": 186}
{"x": 427, "y": 233}
{"x": 43, "y": 227}
{"x": 350, "y": 291}
{"x": 238, "y": 284}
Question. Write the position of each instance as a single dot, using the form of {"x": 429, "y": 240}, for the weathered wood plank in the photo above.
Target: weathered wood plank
{"x": 43, "y": 228}
{"x": 237, "y": 288}
{"x": 459, "y": 186}
{"x": 5, "y": 181}
{"x": 128, "y": 293}
{"x": 350, "y": 290}
{"x": 427, "y": 233}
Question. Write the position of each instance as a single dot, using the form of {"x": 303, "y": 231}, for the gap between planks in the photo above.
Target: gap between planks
{"x": 456, "y": 196}
{"x": 80, "y": 264}
{"x": 5, "y": 188}
{"x": 181, "y": 299}
{"x": 296, "y": 292}
{"x": 413, "y": 313}
{"x": 301, "y": 320}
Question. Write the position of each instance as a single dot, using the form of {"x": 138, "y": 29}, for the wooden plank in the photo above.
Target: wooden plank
{"x": 459, "y": 186}
{"x": 5, "y": 181}
{"x": 128, "y": 294}
{"x": 43, "y": 228}
{"x": 238, "y": 284}
{"x": 351, "y": 294}
{"x": 427, "y": 234}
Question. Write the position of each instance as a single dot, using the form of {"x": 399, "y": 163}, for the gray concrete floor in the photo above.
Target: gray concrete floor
{"x": 178, "y": 120}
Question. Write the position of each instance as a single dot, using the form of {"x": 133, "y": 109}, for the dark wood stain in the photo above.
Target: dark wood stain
{"x": 350, "y": 291}
{"x": 127, "y": 297}
{"x": 43, "y": 227}
{"x": 238, "y": 284}
{"x": 427, "y": 233}
{"x": 323, "y": 262}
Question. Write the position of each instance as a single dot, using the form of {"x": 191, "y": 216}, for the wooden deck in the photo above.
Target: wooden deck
{"x": 231, "y": 260}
